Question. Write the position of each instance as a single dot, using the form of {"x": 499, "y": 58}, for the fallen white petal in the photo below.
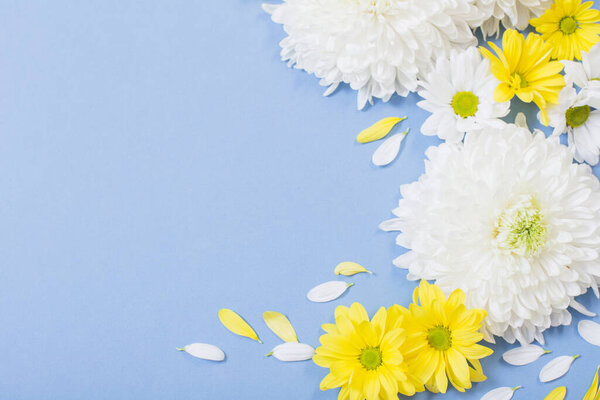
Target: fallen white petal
{"x": 328, "y": 291}
{"x": 388, "y": 150}
{"x": 503, "y": 393}
{"x": 589, "y": 331}
{"x": 292, "y": 351}
{"x": 581, "y": 308}
{"x": 269, "y": 8}
{"x": 521, "y": 120}
{"x": 524, "y": 355}
{"x": 556, "y": 368}
{"x": 204, "y": 351}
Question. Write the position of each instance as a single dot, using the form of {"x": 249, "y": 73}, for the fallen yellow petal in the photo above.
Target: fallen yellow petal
{"x": 280, "y": 325}
{"x": 557, "y": 394}
{"x": 236, "y": 324}
{"x": 349, "y": 268}
{"x": 378, "y": 130}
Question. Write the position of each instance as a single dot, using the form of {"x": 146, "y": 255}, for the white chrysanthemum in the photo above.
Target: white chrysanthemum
{"x": 459, "y": 92}
{"x": 379, "y": 47}
{"x": 507, "y": 217}
{"x": 514, "y": 14}
{"x": 577, "y": 114}
{"x": 585, "y": 74}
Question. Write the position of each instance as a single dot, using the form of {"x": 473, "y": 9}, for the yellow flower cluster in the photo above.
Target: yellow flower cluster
{"x": 399, "y": 350}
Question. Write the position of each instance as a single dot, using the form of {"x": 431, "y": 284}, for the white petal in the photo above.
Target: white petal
{"x": 556, "y": 368}
{"x": 292, "y": 351}
{"x": 581, "y": 308}
{"x": 521, "y": 121}
{"x": 328, "y": 291}
{"x": 204, "y": 351}
{"x": 388, "y": 150}
{"x": 503, "y": 393}
{"x": 524, "y": 355}
{"x": 331, "y": 89}
{"x": 269, "y": 8}
{"x": 589, "y": 331}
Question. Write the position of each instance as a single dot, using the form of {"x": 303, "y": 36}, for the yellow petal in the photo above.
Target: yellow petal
{"x": 476, "y": 371}
{"x": 557, "y": 394}
{"x": 280, "y": 325}
{"x": 503, "y": 93}
{"x": 236, "y": 324}
{"x": 349, "y": 268}
{"x": 593, "y": 393}
{"x": 378, "y": 130}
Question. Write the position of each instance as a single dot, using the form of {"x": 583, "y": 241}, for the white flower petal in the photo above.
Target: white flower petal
{"x": 388, "y": 150}
{"x": 328, "y": 291}
{"x": 575, "y": 305}
{"x": 521, "y": 120}
{"x": 292, "y": 351}
{"x": 524, "y": 355}
{"x": 589, "y": 331}
{"x": 503, "y": 393}
{"x": 556, "y": 368}
{"x": 204, "y": 351}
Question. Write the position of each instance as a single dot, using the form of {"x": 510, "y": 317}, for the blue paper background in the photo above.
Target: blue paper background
{"x": 158, "y": 162}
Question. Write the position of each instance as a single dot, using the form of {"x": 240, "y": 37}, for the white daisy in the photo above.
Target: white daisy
{"x": 514, "y": 14}
{"x": 577, "y": 115}
{"x": 459, "y": 92}
{"x": 379, "y": 47}
{"x": 585, "y": 74}
{"x": 508, "y": 218}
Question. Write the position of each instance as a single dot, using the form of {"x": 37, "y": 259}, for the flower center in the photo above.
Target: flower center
{"x": 518, "y": 81}
{"x": 577, "y": 116}
{"x": 371, "y": 358}
{"x": 521, "y": 228}
{"x": 465, "y": 104}
{"x": 568, "y": 25}
{"x": 440, "y": 338}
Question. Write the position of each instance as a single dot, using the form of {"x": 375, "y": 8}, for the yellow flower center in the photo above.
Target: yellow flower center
{"x": 440, "y": 338}
{"x": 577, "y": 116}
{"x": 465, "y": 104}
{"x": 371, "y": 358}
{"x": 521, "y": 228}
{"x": 518, "y": 81}
{"x": 568, "y": 25}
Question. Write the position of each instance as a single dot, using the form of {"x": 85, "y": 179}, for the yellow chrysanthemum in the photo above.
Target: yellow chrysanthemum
{"x": 569, "y": 27}
{"x": 442, "y": 335}
{"x": 523, "y": 68}
{"x": 365, "y": 357}
{"x": 594, "y": 392}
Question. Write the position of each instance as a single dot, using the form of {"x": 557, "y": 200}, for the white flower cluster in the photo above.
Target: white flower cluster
{"x": 382, "y": 47}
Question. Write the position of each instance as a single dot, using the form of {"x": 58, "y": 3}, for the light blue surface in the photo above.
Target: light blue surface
{"x": 158, "y": 162}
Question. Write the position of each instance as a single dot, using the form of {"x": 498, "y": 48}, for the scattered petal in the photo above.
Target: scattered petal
{"x": 204, "y": 351}
{"x": 280, "y": 325}
{"x": 524, "y": 355}
{"x": 349, "y": 268}
{"x": 521, "y": 121}
{"x": 557, "y": 394}
{"x": 556, "y": 368}
{"x": 589, "y": 331}
{"x": 378, "y": 130}
{"x": 292, "y": 351}
{"x": 503, "y": 393}
{"x": 236, "y": 324}
{"x": 388, "y": 150}
{"x": 328, "y": 291}
{"x": 581, "y": 308}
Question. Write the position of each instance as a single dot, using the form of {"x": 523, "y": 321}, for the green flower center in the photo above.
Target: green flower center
{"x": 519, "y": 81}
{"x": 371, "y": 358}
{"x": 465, "y": 104}
{"x": 440, "y": 338}
{"x": 521, "y": 228}
{"x": 577, "y": 116}
{"x": 568, "y": 25}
